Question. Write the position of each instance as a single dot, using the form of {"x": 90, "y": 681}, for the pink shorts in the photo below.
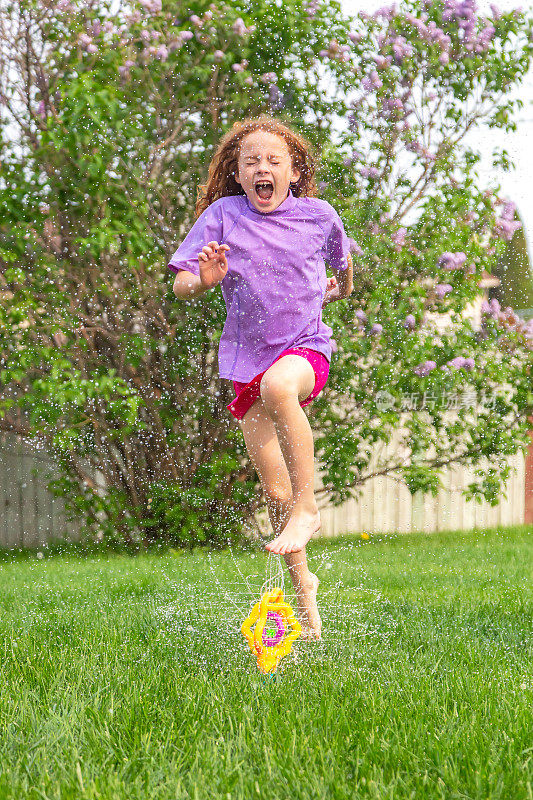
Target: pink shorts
{"x": 248, "y": 393}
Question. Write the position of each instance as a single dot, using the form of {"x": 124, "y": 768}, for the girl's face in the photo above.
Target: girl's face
{"x": 264, "y": 169}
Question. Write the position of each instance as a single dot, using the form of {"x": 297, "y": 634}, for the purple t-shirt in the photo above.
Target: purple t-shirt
{"x": 276, "y": 278}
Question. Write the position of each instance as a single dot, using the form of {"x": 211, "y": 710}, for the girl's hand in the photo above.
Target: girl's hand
{"x": 332, "y": 292}
{"x": 213, "y": 264}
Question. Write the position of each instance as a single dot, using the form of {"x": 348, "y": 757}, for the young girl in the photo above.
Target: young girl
{"x": 263, "y": 235}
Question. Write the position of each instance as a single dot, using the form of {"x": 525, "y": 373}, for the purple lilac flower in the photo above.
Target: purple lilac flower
{"x": 456, "y": 362}
{"x": 492, "y": 309}
{"x": 392, "y": 104}
{"x": 361, "y": 316}
{"x": 371, "y": 81}
{"x": 218, "y": 55}
{"x": 354, "y": 247}
{"x": 460, "y": 362}
{"x": 369, "y": 172}
{"x": 382, "y": 62}
{"x": 399, "y": 237}
{"x": 353, "y": 122}
{"x": 125, "y": 68}
{"x": 276, "y": 98}
{"x": 385, "y": 11}
{"x": 506, "y": 228}
{"x": 442, "y": 289}
{"x": 509, "y": 209}
{"x": 239, "y": 27}
{"x": 376, "y": 329}
{"x": 449, "y": 260}
{"x": 484, "y": 38}
{"x": 424, "y": 368}
{"x": 401, "y": 49}
{"x": 152, "y": 6}
{"x": 311, "y": 7}
{"x": 410, "y": 322}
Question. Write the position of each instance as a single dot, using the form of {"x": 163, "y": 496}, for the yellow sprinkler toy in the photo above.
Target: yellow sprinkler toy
{"x": 269, "y": 640}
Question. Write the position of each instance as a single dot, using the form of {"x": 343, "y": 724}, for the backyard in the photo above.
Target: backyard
{"x": 128, "y": 677}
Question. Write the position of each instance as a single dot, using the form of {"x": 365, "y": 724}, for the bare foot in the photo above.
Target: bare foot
{"x": 308, "y": 615}
{"x": 297, "y": 532}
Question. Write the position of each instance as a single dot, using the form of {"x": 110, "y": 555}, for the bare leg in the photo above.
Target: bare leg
{"x": 282, "y": 387}
{"x": 305, "y": 583}
{"x": 264, "y": 450}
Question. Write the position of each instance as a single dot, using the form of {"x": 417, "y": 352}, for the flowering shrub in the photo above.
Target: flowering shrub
{"x": 119, "y": 118}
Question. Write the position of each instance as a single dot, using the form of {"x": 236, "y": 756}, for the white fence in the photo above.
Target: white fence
{"x": 30, "y": 516}
{"x": 386, "y": 505}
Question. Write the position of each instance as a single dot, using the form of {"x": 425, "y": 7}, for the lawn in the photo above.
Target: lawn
{"x": 127, "y": 677}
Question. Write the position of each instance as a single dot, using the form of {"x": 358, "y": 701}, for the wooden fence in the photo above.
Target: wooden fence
{"x": 386, "y": 505}
{"x": 31, "y": 516}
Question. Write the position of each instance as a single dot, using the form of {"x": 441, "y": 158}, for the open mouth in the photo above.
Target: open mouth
{"x": 264, "y": 190}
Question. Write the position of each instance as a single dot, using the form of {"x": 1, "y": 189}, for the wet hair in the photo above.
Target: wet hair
{"x": 221, "y": 174}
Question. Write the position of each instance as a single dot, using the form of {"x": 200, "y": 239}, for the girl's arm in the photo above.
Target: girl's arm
{"x": 187, "y": 285}
{"x": 341, "y": 285}
{"x": 345, "y": 278}
{"x": 212, "y": 266}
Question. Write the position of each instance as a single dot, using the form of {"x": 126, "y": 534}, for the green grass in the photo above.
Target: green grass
{"x": 128, "y": 677}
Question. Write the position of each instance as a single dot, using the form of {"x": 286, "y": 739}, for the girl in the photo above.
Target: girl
{"x": 262, "y": 234}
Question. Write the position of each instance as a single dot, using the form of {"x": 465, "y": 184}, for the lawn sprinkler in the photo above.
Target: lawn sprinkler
{"x": 270, "y": 640}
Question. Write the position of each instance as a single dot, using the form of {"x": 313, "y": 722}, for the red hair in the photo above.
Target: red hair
{"x": 221, "y": 174}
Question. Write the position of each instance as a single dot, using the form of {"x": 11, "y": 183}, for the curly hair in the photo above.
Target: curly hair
{"x": 221, "y": 174}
